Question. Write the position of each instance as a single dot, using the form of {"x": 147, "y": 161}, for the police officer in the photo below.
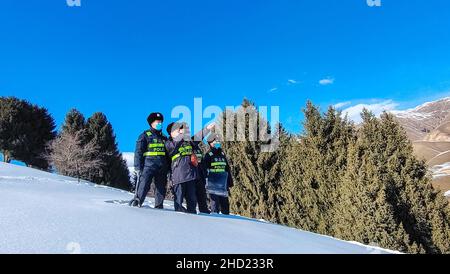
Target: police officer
{"x": 184, "y": 167}
{"x": 151, "y": 162}
{"x": 218, "y": 176}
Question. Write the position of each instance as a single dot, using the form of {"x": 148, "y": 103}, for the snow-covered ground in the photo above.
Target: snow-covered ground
{"x": 441, "y": 170}
{"x": 46, "y": 213}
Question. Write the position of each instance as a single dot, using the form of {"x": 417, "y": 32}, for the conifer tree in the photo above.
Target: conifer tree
{"x": 313, "y": 168}
{"x": 74, "y": 122}
{"x": 364, "y": 213}
{"x": 25, "y": 130}
{"x": 114, "y": 172}
{"x": 13, "y": 125}
{"x": 387, "y": 197}
{"x": 256, "y": 172}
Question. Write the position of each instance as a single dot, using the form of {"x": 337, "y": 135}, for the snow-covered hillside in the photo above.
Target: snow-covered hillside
{"x": 46, "y": 213}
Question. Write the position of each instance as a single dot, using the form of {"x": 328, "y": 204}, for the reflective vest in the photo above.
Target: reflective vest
{"x": 184, "y": 150}
{"x": 155, "y": 146}
{"x": 218, "y": 164}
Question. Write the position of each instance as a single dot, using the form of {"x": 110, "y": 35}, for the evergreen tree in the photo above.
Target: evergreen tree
{"x": 387, "y": 197}
{"x": 364, "y": 213}
{"x": 13, "y": 125}
{"x": 25, "y": 130}
{"x": 41, "y": 131}
{"x": 313, "y": 168}
{"x": 255, "y": 172}
{"x": 114, "y": 172}
{"x": 74, "y": 122}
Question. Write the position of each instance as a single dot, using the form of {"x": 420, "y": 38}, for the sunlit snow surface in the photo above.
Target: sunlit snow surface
{"x": 45, "y": 213}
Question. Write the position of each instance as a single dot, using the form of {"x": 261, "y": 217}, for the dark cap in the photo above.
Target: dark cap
{"x": 154, "y": 116}
{"x": 174, "y": 126}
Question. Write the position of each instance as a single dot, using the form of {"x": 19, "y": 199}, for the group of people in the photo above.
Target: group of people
{"x": 179, "y": 159}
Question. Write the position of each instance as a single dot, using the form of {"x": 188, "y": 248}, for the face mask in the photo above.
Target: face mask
{"x": 217, "y": 145}
{"x": 158, "y": 126}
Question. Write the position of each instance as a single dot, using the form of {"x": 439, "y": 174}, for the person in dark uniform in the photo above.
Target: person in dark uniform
{"x": 150, "y": 162}
{"x": 218, "y": 176}
{"x": 184, "y": 170}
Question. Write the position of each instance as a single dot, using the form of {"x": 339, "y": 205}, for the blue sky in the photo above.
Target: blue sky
{"x": 129, "y": 58}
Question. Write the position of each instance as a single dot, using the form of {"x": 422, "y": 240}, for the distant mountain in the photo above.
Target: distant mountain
{"x": 423, "y": 119}
{"x": 428, "y": 127}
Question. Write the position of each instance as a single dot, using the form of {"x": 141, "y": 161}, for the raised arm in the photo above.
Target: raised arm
{"x": 198, "y": 137}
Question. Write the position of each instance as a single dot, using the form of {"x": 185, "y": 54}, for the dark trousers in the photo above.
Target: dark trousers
{"x": 201, "y": 196}
{"x": 186, "y": 191}
{"x": 159, "y": 178}
{"x": 219, "y": 204}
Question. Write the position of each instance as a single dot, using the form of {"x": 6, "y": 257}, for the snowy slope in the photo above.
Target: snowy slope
{"x": 46, "y": 213}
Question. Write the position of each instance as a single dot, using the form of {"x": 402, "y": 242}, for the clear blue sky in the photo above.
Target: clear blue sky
{"x": 128, "y": 58}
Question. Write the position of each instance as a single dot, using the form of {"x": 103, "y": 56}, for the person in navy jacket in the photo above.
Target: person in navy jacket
{"x": 218, "y": 176}
{"x": 150, "y": 162}
{"x": 184, "y": 168}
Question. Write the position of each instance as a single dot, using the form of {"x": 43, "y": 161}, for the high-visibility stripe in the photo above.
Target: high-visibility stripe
{"x": 174, "y": 157}
{"x": 158, "y": 153}
{"x": 217, "y": 170}
{"x": 219, "y": 164}
{"x": 182, "y": 151}
{"x": 155, "y": 145}
{"x": 186, "y": 148}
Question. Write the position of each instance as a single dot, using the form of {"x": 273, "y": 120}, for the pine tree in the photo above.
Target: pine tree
{"x": 13, "y": 125}
{"x": 41, "y": 132}
{"x": 364, "y": 213}
{"x": 387, "y": 197}
{"x": 313, "y": 168}
{"x": 114, "y": 172}
{"x": 256, "y": 172}
{"x": 417, "y": 203}
{"x": 74, "y": 122}
{"x": 25, "y": 130}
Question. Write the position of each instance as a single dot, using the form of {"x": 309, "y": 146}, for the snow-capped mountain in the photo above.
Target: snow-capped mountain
{"x": 421, "y": 120}
{"x": 46, "y": 213}
{"x": 428, "y": 127}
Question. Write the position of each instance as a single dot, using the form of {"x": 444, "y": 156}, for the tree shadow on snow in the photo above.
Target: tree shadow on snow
{"x": 213, "y": 215}
{"x": 234, "y": 217}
